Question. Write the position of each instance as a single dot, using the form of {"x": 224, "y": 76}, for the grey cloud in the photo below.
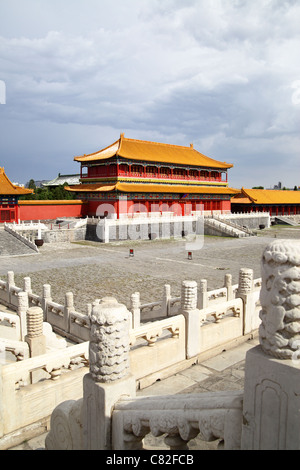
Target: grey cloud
{"x": 221, "y": 74}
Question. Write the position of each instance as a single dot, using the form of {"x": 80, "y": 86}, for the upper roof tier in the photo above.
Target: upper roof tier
{"x": 9, "y": 189}
{"x": 132, "y": 149}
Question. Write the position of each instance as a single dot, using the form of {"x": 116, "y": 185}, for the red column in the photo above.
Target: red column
{"x": 17, "y": 211}
{"x": 182, "y": 208}
{"x": 117, "y": 208}
{"x": 147, "y": 205}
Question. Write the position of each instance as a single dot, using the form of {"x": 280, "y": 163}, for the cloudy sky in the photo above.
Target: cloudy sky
{"x": 223, "y": 74}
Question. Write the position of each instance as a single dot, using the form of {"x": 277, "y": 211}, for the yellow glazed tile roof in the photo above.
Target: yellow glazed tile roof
{"x": 154, "y": 152}
{"x": 9, "y": 189}
{"x": 271, "y": 196}
{"x": 152, "y": 188}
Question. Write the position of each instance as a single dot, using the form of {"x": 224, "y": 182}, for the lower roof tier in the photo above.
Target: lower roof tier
{"x": 266, "y": 196}
{"x": 150, "y": 188}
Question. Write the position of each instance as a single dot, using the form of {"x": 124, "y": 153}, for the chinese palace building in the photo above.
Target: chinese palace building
{"x": 274, "y": 201}
{"x": 9, "y": 198}
{"x": 137, "y": 176}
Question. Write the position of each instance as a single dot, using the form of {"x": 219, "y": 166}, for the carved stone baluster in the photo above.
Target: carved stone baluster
{"x": 280, "y": 299}
{"x": 188, "y": 295}
{"x": 46, "y": 297}
{"x": 35, "y": 338}
{"x": 175, "y": 442}
{"x": 133, "y": 442}
{"x": 135, "y": 309}
{"x": 22, "y": 312}
{"x": 109, "y": 376}
{"x": 192, "y": 316}
{"x": 202, "y": 297}
{"x": 245, "y": 281}
{"x": 27, "y": 285}
{"x": 152, "y": 336}
{"x": 271, "y": 411}
{"x": 134, "y": 432}
{"x": 228, "y": 285}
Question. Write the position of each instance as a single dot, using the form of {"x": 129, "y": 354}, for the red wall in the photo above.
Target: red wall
{"x": 180, "y": 207}
{"x": 226, "y": 206}
{"x": 46, "y": 210}
{"x": 51, "y": 210}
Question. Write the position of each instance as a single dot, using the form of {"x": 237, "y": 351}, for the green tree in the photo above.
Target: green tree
{"x": 48, "y": 193}
{"x": 31, "y": 185}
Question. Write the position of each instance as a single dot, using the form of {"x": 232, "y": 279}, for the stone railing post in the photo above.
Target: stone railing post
{"x": 22, "y": 313}
{"x": 228, "y": 285}
{"x": 68, "y": 308}
{"x": 202, "y": 294}
{"x": 192, "y": 317}
{"x": 271, "y": 410}
{"x": 135, "y": 319}
{"x": 245, "y": 281}
{"x": 10, "y": 283}
{"x": 165, "y": 308}
{"x": 46, "y": 297}
{"x": 109, "y": 377}
{"x": 188, "y": 295}
{"x": 27, "y": 285}
{"x": 34, "y": 337}
{"x": 245, "y": 292}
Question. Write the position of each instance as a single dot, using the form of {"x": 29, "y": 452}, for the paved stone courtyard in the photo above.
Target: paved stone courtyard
{"x": 93, "y": 270}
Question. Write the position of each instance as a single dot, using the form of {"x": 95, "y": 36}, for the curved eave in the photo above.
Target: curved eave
{"x": 107, "y": 152}
{"x": 91, "y": 188}
{"x": 7, "y": 188}
{"x": 152, "y": 188}
{"x": 16, "y": 192}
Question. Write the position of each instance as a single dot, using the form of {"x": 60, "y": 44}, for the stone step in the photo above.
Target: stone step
{"x": 10, "y": 246}
{"x": 285, "y": 220}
